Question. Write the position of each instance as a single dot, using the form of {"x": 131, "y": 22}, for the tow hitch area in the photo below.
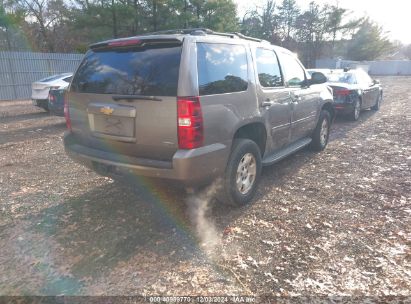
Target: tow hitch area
{"x": 104, "y": 169}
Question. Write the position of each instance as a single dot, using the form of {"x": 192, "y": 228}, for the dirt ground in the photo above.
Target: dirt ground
{"x": 336, "y": 223}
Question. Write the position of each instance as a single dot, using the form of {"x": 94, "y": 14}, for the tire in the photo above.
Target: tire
{"x": 321, "y": 132}
{"x": 355, "y": 114}
{"x": 236, "y": 191}
{"x": 377, "y": 105}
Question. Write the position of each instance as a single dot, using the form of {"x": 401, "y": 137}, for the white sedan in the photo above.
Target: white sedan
{"x": 40, "y": 89}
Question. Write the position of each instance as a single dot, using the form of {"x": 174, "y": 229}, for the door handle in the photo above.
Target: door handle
{"x": 295, "y": 98}
{"x": 267, "y": 103}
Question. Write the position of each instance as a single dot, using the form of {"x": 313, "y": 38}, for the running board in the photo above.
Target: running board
{"x": 283, "y": 153}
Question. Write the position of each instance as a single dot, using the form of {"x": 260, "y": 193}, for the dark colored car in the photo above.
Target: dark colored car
{"x": 56, "y": 102}
{"x": 354, "y": 90}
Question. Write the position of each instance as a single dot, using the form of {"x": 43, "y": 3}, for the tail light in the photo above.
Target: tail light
{"x": 52, "y": 99}
{"x": 189, "y": 122}
{"x": 341, "y": 92}
{"x": 67, "y": 111}
{"x": 125, "y": 42}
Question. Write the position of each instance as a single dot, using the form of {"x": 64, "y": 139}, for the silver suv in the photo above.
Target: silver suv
{"x": 193, "y": 106}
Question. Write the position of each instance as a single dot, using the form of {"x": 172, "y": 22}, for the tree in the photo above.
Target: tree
{"x": 335, "y": 22}
{"x": 41, "y": 18}
{"x": 262, "y": 23}
{"x": 310, "y": 30}
{"x": 11, "y": 34}
{"x": 288, "y": 13}
{"x": 5, "y": 22}
{"x": 369, "y": 42}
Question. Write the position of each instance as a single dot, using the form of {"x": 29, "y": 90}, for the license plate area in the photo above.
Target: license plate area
{"x": 111, "y": 121}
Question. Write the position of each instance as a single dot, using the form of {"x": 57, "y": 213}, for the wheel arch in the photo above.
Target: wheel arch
{"x": 254, "y": 131}
{"x": 328, "y": 106}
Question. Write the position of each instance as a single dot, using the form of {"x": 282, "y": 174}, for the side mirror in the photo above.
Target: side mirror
{"x": 318, "y": 78}
{"x": 376, "y": 81}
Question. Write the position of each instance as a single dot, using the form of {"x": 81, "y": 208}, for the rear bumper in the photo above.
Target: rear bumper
{"x": 56, "y": 109}
{"x": 42, "y": 103}
{"x": 190, "y": 167}
{"x": 343, "y": 108}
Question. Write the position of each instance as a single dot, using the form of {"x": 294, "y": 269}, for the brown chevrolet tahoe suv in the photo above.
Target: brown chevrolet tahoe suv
{"x": 193, "y": 106}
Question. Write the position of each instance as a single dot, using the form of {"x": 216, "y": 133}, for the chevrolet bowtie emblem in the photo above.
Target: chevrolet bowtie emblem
{"x": 107, "y": 110}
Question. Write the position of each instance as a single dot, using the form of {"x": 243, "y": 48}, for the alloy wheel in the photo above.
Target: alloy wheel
{"x": 246, "y": 173}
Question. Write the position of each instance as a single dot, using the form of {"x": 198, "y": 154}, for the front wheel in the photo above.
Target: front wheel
{"x": 242, "y": 173}
{"x": 321, "y": 132}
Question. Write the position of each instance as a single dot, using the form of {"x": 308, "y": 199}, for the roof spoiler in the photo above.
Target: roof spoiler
{"x": 133, "y": 42}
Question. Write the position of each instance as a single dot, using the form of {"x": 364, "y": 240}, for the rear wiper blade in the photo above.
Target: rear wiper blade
{"x": 134, "y": 97}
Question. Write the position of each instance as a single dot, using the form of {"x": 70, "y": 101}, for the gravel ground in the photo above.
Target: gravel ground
{"x": 336, "y": 223}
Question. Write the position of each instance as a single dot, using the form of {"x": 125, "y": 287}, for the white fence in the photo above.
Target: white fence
{"x": 19, "y": 69}
{"x": 382, "y": 67}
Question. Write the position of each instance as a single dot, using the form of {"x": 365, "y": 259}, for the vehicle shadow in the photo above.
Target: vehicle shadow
{"x": 35, "y": 132}
{"x": 342, "y": 125}
{"x": 22, "y": 117}
{"x": 276, "y": 175}
{"x": 90, "y": 235}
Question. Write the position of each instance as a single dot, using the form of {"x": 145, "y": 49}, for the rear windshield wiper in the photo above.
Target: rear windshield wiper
{"x": 134, "y": 97}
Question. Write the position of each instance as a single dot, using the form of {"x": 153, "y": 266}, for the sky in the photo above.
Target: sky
{"x": 393, "y": 15}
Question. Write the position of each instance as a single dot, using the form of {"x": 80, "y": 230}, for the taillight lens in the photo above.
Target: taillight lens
{"x": 52, "y": 99}
{"x": 189, "y": 122}
{"x": 341, "y": 92}
{"x": 125, "y": 42}
{"x": 67, "y": 111}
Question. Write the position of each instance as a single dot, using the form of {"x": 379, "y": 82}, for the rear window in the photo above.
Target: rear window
{"x": 222, "y": 68}
{"x": 139, "y": 71}
{"x": 342, "y": 77}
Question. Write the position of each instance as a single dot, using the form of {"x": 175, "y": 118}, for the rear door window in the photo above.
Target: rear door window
{"x": 268, "y": 69}
{"x": 222, "y": 68}
{"x": 136, "y": 71}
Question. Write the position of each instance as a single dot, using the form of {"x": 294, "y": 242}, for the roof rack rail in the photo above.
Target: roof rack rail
{"x": 205, "y": 31}
{"x": 242, "y": 36}
{"x": 191, "y": 31}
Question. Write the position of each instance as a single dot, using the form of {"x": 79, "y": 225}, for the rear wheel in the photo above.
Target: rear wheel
{"x": 355, "y": 114}
{"x": 377, "y": 105}
{"x": 321, "y": 132}
{"x": 242, "y": 173}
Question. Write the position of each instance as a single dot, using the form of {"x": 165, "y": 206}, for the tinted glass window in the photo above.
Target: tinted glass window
{"x": 268, "y": 69}
{"x": 342, "y": 77}
{"x": 222, "y": 68}
{"x": 294, "y": 73}
{"x": 138, "y": 71}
